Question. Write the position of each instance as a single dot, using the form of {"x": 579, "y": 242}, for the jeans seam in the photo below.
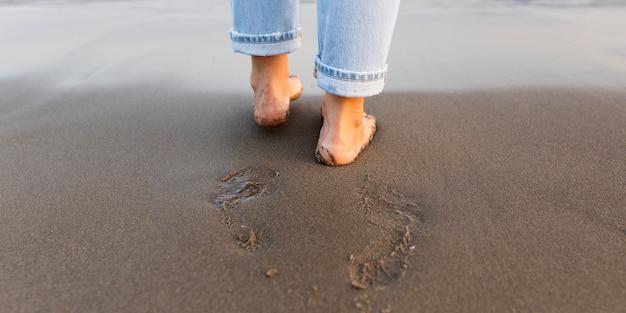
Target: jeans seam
{"x": 266, "y": 38}
{"x": 346, "y": 88}
{"x": 346, "y": 75}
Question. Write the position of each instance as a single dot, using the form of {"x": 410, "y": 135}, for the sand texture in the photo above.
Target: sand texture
{"x": 133, "y": 178}
{"x": 145, "y": 199}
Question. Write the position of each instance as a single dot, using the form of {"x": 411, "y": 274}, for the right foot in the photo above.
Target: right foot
{"x": 273, "y": 89}
{"x": 346, "y": 130}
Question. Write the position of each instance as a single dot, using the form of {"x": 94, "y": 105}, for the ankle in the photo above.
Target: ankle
{"x": 269, "y": 71}
{"x": 342, "y": 112}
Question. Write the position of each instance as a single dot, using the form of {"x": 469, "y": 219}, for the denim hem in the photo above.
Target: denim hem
{"x": 350, "y": 88}
{"x": 266, "y": 44}
{"x": 348, "y": 75}
{"x": 266, "y": 38}
{"x": 267, "y": 49}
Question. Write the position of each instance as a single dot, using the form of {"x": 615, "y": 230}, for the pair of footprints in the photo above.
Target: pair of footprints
{"x": 397, "y": 218}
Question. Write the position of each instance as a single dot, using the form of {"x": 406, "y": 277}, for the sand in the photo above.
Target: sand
{"x": 486, "y": 201}
{"x": 133, "y": 178}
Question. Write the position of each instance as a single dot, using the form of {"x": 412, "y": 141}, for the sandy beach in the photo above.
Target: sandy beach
{"x": 126, "y": 186}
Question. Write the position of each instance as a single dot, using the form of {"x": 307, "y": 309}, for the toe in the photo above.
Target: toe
{"x": 369, "y": 131}
{"x": 296, "y": 87}
{"x": 370, "y": 118}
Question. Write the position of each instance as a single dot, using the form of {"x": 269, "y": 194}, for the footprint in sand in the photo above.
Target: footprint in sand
{"x": 240, "y": 186}
{"x": 398, "y": 220}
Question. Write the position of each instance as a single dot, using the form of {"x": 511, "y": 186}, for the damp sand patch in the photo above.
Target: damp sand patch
{"x": 235, "y": 188}
{"x": 398, "y": 220}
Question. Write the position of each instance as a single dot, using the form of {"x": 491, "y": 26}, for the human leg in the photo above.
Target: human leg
{"x": 354, "y": 38}
{"x": 267, "y": 30}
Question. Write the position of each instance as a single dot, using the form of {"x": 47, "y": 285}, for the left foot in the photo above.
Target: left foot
{"x": 273, "y": 90}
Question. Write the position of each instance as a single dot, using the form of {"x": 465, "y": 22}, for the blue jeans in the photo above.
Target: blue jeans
{"x": 354, "y": 37}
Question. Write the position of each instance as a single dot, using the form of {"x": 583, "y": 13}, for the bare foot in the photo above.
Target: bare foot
{"x": 273, "y": 89}
{"x": 346, "y": 131}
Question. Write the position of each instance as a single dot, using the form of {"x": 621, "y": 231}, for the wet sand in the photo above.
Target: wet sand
{"x": 133, "y": 179}
{"x": 486, "y": 201}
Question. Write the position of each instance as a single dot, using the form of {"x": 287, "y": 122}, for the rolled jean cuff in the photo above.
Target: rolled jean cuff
{"x": 266, "y": 44}
{"x": 349, "y": 83}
